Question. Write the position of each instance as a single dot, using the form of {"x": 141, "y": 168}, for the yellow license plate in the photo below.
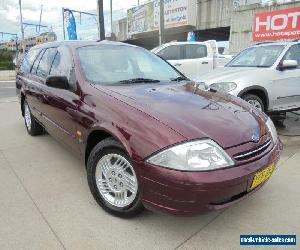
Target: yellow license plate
{"x": 262, "y": 176}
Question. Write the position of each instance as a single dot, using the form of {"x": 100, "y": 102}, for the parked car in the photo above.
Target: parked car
{"x": 266, "y": 75}
{"x": 147, "y": 135}
{"x": 193, "y": 59}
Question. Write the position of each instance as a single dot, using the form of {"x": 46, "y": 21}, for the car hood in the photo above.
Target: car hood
{"x": 230, "y": 74}
{"x": 194, "y": 113}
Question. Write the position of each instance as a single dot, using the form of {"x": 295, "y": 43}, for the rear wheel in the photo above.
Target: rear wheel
{"x": 255, "y": 101}
{"x": 32, "y": 126}
{"x": 113, "y": 180}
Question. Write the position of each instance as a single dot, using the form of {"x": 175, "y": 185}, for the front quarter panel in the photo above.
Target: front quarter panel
{"x": 139, "y": 133}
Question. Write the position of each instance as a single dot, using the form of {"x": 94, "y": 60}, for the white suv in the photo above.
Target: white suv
{"x": 266, "y": 75}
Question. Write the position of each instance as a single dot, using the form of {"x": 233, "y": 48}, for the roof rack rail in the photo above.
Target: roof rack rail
{"x": 296, "y": 40}
{"x": 265, "y": 42}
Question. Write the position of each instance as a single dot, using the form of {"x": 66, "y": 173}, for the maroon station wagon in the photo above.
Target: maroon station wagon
{"x": 149, "y": 137}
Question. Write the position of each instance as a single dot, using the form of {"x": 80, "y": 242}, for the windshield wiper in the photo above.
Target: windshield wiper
{"x": 179, "y": 79}
{"x": 262, "y": 66}
{"x": 138, "y": 80}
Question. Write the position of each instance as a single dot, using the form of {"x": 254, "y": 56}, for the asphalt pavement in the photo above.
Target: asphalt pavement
{"x": 45, "y": 202}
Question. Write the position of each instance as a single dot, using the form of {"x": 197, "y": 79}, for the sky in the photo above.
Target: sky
{"x": 52, "y": 15}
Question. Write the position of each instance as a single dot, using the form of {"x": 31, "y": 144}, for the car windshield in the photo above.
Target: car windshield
{"x": 259, "y": 56}
{"x": 107, "y": 64}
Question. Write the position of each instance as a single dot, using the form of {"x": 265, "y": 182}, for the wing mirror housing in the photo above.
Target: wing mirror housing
{"x": 59, "y": 82}
{"x": 288, "y": 64}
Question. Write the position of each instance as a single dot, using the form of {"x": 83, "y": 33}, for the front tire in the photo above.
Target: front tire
{"x": 113, "y": 180}
{"x": 31, "y": 124}
{"x": 255, "y": 101}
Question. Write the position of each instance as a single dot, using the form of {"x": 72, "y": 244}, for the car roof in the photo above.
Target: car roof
{"x": 77, "y": 44}
{"x": 285, "y": 43}
{"x": 185, "y": 42}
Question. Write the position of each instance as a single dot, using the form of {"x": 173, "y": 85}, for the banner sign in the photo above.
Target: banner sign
{"x": 176, "y": 13}
{"x": 71, "y": 24}
{"x": 140, "y": 19}
{"x": 145, "y": 17}
{"x": 277, "y": 25}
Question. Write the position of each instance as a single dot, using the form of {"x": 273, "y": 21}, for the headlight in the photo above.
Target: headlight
{"x": 201, "y": 85}
{"x": 272, "y": 129}
{"x": 225, "y": 86}
{"x": 197, "y": 155}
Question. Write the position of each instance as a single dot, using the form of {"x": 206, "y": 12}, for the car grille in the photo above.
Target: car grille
{"x": 252, "y": 153}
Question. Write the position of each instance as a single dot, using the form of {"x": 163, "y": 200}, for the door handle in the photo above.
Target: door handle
{"x": 204, "y": 62}
{"x": 177, "y": 64}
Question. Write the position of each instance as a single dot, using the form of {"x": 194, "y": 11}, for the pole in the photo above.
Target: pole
{"x": 63, "y": 24}
{"x": 111, "y": 23}
{"x": 22, "y": 28}
{"x": 17, "y": 52}
{"x": 101, "y": 20}
{"x": 41, "y": 13}
{"x": 138, "y": 2}
{"x": 161, "y": 23}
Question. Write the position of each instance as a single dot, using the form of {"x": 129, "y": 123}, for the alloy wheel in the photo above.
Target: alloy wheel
{"x": 27, "y": 116}
{"x": 116, "y": 180}
{"x": 256, "y": 104}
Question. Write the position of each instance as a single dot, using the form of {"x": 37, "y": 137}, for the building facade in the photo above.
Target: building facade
{"x": 221, "y": 20}
{"x": 28, "y": 41}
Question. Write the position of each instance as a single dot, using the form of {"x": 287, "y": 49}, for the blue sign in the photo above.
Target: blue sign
{"x": 263, "y": 239}
{"x": 71, "y": 25}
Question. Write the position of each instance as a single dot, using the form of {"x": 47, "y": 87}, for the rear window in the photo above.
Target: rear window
{"x": 28, "y": 60}
{"x": 194, "y": 51}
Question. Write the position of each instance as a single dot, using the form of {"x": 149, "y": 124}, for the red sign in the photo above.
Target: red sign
{"x": 277, "y": 25}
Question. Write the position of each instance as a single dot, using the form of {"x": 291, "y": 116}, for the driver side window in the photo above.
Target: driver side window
{"x": 293, "y": 54}
{"x": 62, "y": 65}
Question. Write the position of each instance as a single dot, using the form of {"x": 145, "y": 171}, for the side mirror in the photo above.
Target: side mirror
{"x": 59, "y": 82}
{"x": 288, "y": 64}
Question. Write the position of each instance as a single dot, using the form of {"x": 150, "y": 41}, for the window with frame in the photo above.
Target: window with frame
{"x": 172, "y": 52}
{"x": 194, "y": 51}
{"x": 106, "y": 64}
{"x": 293, "y": 54}
{"x": 45, "y": 63}
{"x": 28, "y": 60}
{"x": 36, "y": 62}
{"x": 62, "y": 63}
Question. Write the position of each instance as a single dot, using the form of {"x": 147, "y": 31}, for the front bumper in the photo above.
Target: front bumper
{"x": 189, "y": 193}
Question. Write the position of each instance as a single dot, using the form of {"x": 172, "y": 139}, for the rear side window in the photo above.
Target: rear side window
{"x": 45, "y": 63}
{"x": 193, "y": 51}
{"x": 173, "y": 52}
{"x": 28, "y": 60}
{"x": 293, "y": 54}
{"x": 36, "y": 62}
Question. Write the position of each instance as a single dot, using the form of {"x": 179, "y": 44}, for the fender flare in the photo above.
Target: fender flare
{"x": 114, "y": 132}
{"x": 255, "y": 87}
